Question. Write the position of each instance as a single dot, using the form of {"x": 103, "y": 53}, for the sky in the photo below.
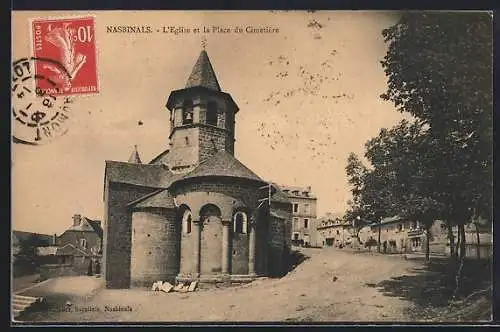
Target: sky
{"x": 308, "y": 96}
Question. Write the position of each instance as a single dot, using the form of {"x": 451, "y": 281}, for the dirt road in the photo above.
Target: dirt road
{"x": 332, "y": 285}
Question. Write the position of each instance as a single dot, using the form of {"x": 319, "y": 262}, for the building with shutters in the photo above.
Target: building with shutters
{"x": 304, "y": 228}
{"x": 194, "y": 212}
{"x": 334, "y": 231}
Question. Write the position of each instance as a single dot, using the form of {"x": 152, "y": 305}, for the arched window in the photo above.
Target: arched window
{"x": 240, "y": 222}
{"x": 186, "y": 221}
{"x": 187, "y": 112}
{"x": 212, "y": 113}
{"x": 83, "y": 243}
{"x": 208, "y": 213}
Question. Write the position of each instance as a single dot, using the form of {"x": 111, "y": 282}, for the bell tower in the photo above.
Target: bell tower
{"x": 202, "y": 118}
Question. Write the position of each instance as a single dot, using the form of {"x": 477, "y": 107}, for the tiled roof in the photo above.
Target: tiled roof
{"x": 154, "y": 176}
{"x": 158, "y": 199}
{"x": 222, "y": 164}
{"x": 203, "y": 74}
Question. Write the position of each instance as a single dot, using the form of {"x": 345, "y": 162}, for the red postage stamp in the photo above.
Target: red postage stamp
{"x": 70, "y": 44}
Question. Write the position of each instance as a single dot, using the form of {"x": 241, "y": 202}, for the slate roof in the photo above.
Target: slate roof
{"x": 330, "y": 216}
{"x": 222, "y": 164}
{"x": 159, "y": 157}
{"x": 47, "y": 251}
{"x": 87, "y": 225}
{"x": 385, "y": 221}
{"x": 159, "y": 199}
{"x": 96, "y": 225}
{"x": 23, "y": 236}
{"x": 203, "y": 74}
{"x": 279, "y": 196}
{"x": 278, "y": 215}
{"x": 389, "y": 220}
{"x": 67, "y": 250}
{"x": 148, "y": 175}
{"x": 302, "y": 192}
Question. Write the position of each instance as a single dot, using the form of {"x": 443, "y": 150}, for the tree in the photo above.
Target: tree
{"x": 439, "y": 69}
{"x": 402, "y": 159}
{"x": 26, "y": 253}
{"x": 353, "y": 216}
{"x": 356, "y": 173}
{"x": 366, "y": 202}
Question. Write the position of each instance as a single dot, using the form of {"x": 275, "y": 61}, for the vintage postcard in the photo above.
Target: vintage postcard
{"x": 251, "y": 166}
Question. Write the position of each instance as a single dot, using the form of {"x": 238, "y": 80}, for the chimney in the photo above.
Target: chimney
{"x": 77, "y": 219}
{"x": 54, "y": 239}
{"x": 309, "y": 188}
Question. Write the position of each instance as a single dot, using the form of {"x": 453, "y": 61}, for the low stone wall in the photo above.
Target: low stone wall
{"x": 56, "y": 270}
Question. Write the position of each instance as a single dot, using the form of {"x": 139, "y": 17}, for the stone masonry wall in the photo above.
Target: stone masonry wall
{"x": 276, "y": 247}
{"x": 224, "y": 193}
{"x": 211, "y": 246}
{"x": 284, "y": 210}
{"x": 74, "y": 237}
{"x": 117, "y": 232}
{"x": 223, "y": 141}
{"x": 184, "y": 149}
{"x": 239, "y": 253}
{"x": 241, "y": 189}
{"x": 187, "y": 252}
{"x": 155, "y": 246}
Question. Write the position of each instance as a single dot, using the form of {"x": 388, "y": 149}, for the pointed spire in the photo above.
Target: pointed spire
{"x": 134, "y": 156}
{"x": 203, "y": 73}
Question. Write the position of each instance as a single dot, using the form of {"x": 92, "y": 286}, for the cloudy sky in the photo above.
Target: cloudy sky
{"x": 308, "y": 96}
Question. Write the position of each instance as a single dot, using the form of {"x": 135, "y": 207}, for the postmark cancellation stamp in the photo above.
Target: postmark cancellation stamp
{"x": 62, "y": 66}
{"x": 38, "y": 115}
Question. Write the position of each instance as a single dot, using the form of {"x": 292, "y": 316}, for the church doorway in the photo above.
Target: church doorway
{"x": 211, "y": 240}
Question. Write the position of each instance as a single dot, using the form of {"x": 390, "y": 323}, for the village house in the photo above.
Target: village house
{"x": 304, "y": 203}
{"x": 194, "y": 212}
{"x": 77, "y": 250}
{"x": 333, "y": 231}
{"x": 398, "y": 235}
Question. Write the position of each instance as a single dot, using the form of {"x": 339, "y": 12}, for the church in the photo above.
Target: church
{"x": 194, "y": 212}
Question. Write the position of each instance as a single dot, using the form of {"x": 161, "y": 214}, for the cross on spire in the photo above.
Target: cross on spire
{"x": 203, "y": 73}
{"x": 204, "y": 42}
